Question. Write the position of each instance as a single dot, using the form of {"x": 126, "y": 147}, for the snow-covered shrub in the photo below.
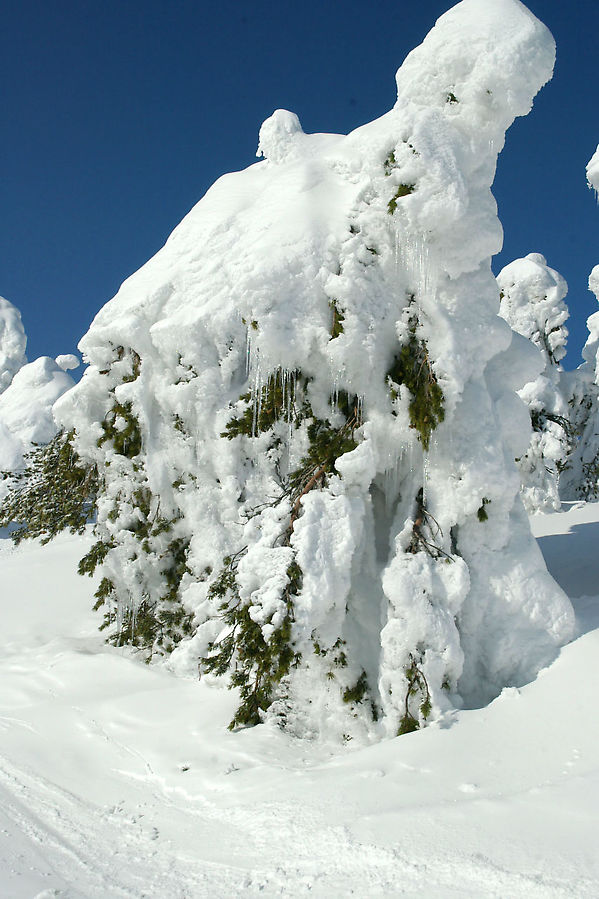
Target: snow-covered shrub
{"x": 304, "y": 414}
{"x": 532, "y": 303}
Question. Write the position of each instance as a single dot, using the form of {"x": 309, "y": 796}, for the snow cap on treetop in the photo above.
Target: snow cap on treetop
{"x": 280, "y": 136}
{"x": 481, "y": 48}
{"x": 68, "y": 361}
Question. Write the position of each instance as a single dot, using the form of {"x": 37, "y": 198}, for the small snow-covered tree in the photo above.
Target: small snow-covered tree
{"x": 532, "y": 303}
{"x": 302, "y": 411}
{"x": 27, "y": 393}
{"x": 581, "y": 481}
{"x": 26, "y": 409}
{"x": 51, "y": 491}
{"x": 43, "y": 486}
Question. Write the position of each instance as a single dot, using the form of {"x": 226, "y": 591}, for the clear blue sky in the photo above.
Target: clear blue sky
{"x": 119, "y": 114}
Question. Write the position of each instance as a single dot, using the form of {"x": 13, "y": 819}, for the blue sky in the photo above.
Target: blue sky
{"x": 119, "y": 115}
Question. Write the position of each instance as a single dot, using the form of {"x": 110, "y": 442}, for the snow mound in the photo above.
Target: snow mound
{"x": 291, "y": 307}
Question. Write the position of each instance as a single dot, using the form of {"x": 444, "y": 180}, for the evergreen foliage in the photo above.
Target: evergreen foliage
{"x": 402, "y": 189}
{"x": 121, "y": 428}
{"x": 55, "y": 491}
{"x": 338, "y": 317}
{"x": 482, "y": 513}
{"x": 412, "y": 368}
{"x": 417, "y": 694}
{"x": 255, "y": 663}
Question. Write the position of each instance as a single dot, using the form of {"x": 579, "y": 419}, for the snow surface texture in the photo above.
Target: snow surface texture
{"x": 12, "y": 343}
{"x": 532, "y": 303}
{"x": 119, "y": 780}
{"x": 409, "y": 556}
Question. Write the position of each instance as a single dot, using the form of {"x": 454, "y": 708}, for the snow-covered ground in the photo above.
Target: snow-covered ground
{"x": 118, "y": 779}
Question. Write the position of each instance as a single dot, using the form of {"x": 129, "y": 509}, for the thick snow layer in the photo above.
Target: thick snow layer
{"x": 121, "y": 780}
{"x": 26, "y": 409}
{"x": 12, "y": 343}
{"x": 392, "y": 226}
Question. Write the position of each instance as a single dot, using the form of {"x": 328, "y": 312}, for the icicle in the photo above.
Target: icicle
{"x": 425, "y": 477}
{"x": 360, "y": 410}
{"x": 257, "y": 390}
{"x": 248, "y": 352}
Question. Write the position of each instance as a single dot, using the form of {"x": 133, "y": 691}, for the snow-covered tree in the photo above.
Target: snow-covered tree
{"x": 532, "y": 303}
{"x": 304, "y": 416}
{"x": 581, "y": 481}
{"x": 12, "y": 343}
{"x": 27, "y": 393}
{"x": 26, "y": 409}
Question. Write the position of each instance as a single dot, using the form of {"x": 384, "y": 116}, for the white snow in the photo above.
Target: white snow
{"x": 68, "y": 361}
{"x": 121, "y": 780}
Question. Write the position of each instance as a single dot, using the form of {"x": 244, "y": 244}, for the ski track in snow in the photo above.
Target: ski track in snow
{"x": 121, "y": 780}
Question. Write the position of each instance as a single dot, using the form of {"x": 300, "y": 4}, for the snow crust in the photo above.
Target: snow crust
{"x": 243, "y": 289}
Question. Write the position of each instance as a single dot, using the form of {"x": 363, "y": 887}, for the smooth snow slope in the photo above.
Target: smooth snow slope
{"x": 121, "y": 780}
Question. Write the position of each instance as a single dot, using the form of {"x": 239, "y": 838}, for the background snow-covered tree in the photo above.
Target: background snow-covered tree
{"x": 28, "y": 392}
{"x": 532, "y": 303}
{"x": 303, "y": 411}
{"x": 581, "y": 481}
{"x": 12, "y": 343}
